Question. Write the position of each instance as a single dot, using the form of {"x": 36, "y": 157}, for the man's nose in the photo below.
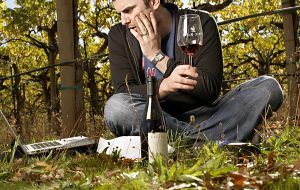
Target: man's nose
{"x": 124, "y": 19}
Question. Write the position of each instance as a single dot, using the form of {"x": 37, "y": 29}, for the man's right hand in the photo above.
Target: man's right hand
{"x": 182, "y": 78}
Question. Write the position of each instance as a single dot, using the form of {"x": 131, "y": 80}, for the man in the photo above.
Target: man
{"x": 145, "y": 44}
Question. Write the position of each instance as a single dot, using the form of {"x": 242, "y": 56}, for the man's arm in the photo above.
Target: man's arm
{"x": 125, "y": 73}
{"x": 208, "y": 63}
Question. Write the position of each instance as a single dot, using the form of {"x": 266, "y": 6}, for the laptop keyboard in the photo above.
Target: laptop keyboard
{"x": 45, "y": 145}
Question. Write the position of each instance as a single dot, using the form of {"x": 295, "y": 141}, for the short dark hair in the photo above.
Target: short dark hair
{"x": 147, "y": 2}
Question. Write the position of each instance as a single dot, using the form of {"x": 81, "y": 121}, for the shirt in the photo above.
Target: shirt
{"x": 167, "y": 47}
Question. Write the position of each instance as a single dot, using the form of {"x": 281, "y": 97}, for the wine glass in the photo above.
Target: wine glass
{"x": 190, "y": 34}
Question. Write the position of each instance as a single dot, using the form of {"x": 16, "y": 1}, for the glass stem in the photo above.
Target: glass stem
{"x": 190, "y": 59}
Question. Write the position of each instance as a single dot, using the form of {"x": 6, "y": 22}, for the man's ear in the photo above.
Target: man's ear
{"x": 155, "y": 4}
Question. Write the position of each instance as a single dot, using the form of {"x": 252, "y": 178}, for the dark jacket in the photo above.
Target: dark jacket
{"x": 126, "y": 57}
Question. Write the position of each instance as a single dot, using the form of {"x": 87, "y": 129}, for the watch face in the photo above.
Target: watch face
{"x": 158, "y": 58}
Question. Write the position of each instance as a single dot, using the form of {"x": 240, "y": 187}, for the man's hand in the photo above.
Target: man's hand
{"x": 147, "y": 34}
{"x": 182, "y": 78}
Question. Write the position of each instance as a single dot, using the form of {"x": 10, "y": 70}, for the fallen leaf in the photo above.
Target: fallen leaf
{"x": 42, "y": 164}
{"x": 96, "y": 180}
{"x": 60, "y": 174}
{"x": 243, "y": 169}
{"x": 127, "y": 162}
{"x": 18, "y": 176}
{"x": 274, "y": 175}
{"x": 183, "y": 186}
{"x": 208, "y": 182}
{"x": 271, "y": 161}
{"x": 296, "y": 165}
{"x": 78, "y": 175}
{"x": 130, "y": 176}
{"x": 113, "y": 173}
{"x": 79, "y": 169}
{"x": 238, "y": 179}
{"x": 17, "y": 164}
{"x": 45, "y": 177}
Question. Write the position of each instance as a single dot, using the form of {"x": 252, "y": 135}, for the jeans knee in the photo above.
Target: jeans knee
{"x": 121, "y": 114}
{"x": 110, "y": 113}
{"x": 275, "y": 91}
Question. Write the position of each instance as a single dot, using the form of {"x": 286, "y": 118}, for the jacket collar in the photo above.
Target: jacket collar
{"x": 136, "y": 53}
{"x": 177, "y": 12}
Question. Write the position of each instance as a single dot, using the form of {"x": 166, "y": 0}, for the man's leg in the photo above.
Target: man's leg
{"x": 235, "y": 116}
{"x": 123, "y": 114}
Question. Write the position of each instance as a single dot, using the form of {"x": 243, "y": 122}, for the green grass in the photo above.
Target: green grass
{"x": 275, "y": 166}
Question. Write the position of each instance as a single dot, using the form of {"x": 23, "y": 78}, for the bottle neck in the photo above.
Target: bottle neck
{"x": 151, "y": 87}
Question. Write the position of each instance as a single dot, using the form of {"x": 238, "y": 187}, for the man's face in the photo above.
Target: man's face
{"x": 129, "y": 9}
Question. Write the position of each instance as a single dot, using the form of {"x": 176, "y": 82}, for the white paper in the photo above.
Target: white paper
{"x": 129, "y": 146}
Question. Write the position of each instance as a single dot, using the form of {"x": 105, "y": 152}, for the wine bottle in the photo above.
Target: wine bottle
{"x": 153, "y": 131}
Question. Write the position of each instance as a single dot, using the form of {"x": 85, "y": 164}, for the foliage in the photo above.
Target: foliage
{"x": 28, "y": 38}
{"x": 207, "y": 167}
{"x": 251, "y": 47}
{"x": 254, "y": 46}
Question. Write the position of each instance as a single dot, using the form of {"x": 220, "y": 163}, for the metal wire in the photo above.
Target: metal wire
{"x": 283, "y": 10}
{"x": 55, "y": 65}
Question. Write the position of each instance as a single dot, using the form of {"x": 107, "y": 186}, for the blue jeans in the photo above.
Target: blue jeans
{"x": 231, "y": 118}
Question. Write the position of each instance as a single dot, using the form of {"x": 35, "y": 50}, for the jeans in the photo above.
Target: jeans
{"x": 231, "y": 118}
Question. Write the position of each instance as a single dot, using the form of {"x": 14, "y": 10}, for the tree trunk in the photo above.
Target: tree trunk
{"x": 93, "y": 88}
{"x": 19, "y": 100}
{"x": 290, "y": 27}
{"x": 54, "y": 108}
{"x": 79, "y": 68}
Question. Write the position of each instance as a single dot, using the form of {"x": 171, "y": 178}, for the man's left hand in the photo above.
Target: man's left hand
{"x": 148, "y": 35}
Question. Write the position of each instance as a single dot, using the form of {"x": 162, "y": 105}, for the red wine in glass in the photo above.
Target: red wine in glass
{"x": 190, "y": 34}
{"x": 190, "y": 49}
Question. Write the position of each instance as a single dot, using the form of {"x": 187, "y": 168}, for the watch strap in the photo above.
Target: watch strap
{"x": 158, "y": 57}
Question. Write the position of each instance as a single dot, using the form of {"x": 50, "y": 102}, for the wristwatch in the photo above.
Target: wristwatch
{"x": 158, "y": 57}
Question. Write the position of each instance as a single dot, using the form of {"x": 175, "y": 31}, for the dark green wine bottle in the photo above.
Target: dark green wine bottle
{"x": 153, "y": 131}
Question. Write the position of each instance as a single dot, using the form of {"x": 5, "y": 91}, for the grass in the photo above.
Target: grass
{"x": 275, "y": 166}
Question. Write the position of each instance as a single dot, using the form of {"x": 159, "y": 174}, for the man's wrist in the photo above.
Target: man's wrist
{"x": 158, "y": 57}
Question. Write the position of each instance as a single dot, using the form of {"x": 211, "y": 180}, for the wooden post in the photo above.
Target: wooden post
{"x": 68, "y": 40}
{"x": 290, "y": 30}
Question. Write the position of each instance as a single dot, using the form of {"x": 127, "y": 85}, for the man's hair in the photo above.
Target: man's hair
{"x": 147, "y": 2}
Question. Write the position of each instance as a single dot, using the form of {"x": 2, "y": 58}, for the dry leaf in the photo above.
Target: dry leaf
{"x": 243, "y": 169}
{"x": 271, "y": 161}
{"x": 45, "y": 177}
{"x": 238, "y": 179}
{"x": 60, "y": 174}
{"x": 113, "y": 173}
{"x": 18, "y": 176}
{"x": 183, "y": 186}
{"x": 17, "y": 164}
{"x": 42, "y": 164}
{"x": 127, "y": 162}
{"x": 78, "y": 175}
{"x": 297, "y": 165}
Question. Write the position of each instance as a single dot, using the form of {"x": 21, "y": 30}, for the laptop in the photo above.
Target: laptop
{"x": 77, "y": 142}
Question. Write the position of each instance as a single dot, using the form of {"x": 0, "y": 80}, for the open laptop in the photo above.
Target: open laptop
{"x": 46, "y": 146}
